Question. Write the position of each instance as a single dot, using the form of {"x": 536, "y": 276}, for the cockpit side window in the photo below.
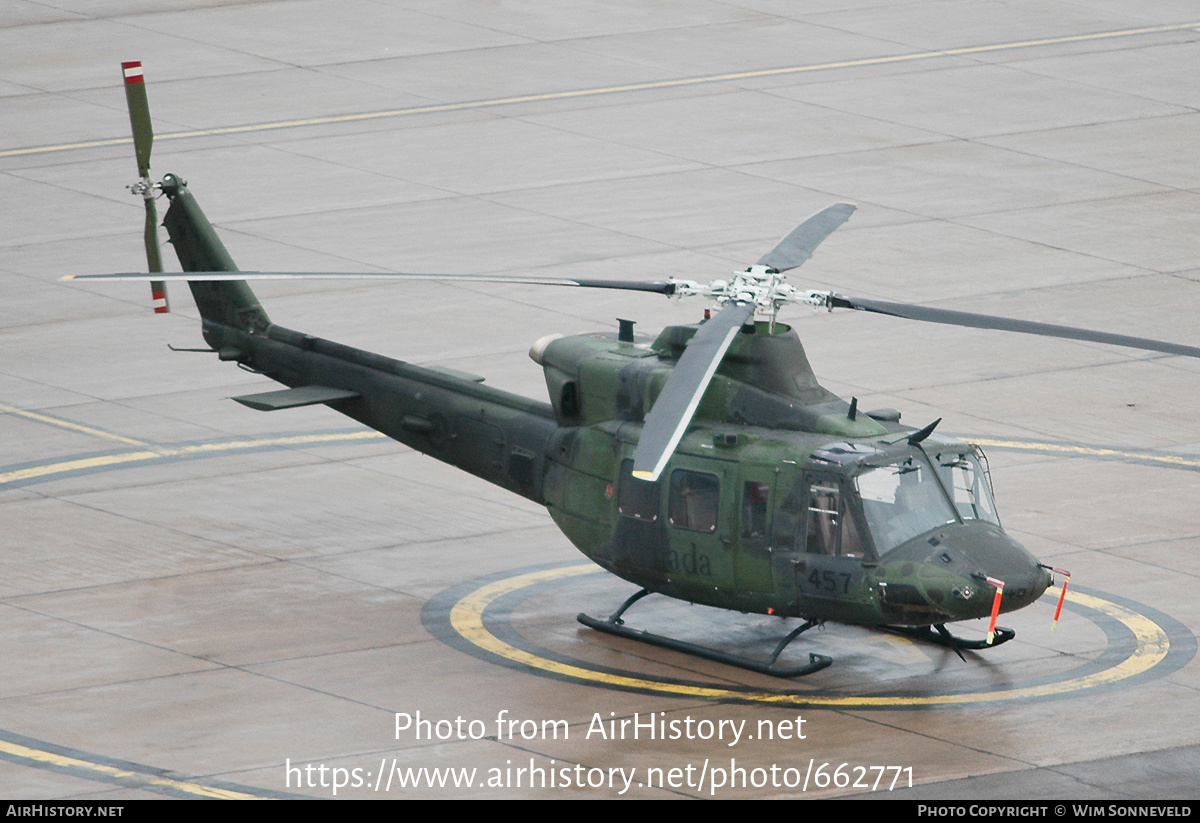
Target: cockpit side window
{"x": 831, "y": 529}
{"x": 824, "y": 518}
{"x": 852, "y": 542}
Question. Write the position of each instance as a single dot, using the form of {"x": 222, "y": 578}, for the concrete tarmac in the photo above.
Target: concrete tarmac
{"x": 198, "y": 599}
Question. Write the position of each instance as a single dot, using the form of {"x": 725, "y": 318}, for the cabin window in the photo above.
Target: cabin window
{"x": 637, "y": 498}
{"x": 694, "y": 499}
{"x": 967, "y": 483}
{"x": 902, "y": 500}
{"x": 755, "y": 497}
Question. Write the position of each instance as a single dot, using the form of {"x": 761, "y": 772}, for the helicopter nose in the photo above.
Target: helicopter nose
{"x": 943, "y": 576}
{"x": 978, "y": 551}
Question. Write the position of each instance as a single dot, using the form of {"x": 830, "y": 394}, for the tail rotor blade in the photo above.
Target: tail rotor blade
{"x": 143, "y": 142}
{"x": 158, "y": 288}
{"x": 153, "y": 257}
{"x": 139, "y": 115}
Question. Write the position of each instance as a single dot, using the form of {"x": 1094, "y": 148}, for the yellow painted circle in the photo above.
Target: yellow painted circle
{"x": 466, "y": 617}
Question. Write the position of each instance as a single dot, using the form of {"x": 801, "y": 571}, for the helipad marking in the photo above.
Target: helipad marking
{"x": 100, "y": 771}
{"x": 466, "y": 617}
{"x": 566, "y": 95}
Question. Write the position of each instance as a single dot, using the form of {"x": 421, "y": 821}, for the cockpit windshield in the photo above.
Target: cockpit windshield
{"x": 902, "y": 500}
{"x": 967, "y": 482}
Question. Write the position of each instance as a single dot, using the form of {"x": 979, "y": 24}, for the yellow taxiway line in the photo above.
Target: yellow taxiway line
{"x": 67, "y": 424}
{"x": 85, "y": 768}
{"x": 155, "y": 453}
{"x": 1090, "y": 451}
{"x": 149, "y": 451}
{"x": 603, "y": 90}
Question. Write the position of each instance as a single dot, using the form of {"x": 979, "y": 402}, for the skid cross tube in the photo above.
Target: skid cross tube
{"x": 616, "y": 626}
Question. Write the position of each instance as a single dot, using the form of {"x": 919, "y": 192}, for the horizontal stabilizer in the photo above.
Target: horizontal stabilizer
{"x": 294, "y": 398}
{"x": 461, "y": 375}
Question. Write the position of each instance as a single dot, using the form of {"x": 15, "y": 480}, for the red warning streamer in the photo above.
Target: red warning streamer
{"x": 999, "y": 584}
{"x": 1062, "y": 595}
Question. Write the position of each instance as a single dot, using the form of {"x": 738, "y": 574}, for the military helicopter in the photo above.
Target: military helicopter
{"x": 706, "y": 463}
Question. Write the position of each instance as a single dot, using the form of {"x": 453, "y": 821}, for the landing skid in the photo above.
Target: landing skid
{"x": 943, "y": 637}
{"x": 615, "y": 625}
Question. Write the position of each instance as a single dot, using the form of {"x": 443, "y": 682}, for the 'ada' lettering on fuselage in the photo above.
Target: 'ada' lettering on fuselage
{"x": 690, "y": 562}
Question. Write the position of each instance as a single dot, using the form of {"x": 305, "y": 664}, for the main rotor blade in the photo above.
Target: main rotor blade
{"x": 675, "y": 406}
{"x": 798, "y": 246}
{"x": 655, "y": 286}
{"x": 987, "y": 321}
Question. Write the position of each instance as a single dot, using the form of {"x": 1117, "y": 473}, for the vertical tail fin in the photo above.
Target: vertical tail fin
{"x": 229, "y": 303}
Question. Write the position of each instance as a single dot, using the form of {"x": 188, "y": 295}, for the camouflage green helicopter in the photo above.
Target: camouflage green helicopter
{"x": 705, "y": 464}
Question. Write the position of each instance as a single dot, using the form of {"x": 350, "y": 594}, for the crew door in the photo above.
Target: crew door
{"x": 829, "y": 550}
